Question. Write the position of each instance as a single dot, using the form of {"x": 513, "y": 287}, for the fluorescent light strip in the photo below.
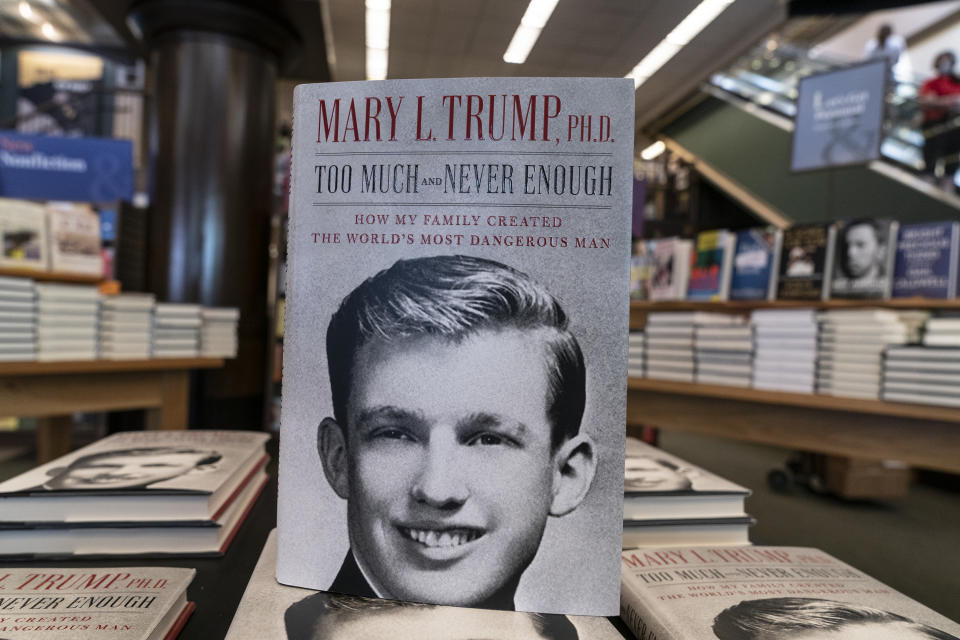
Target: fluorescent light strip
{"x": 653, "y": 150}
{"x": 377, "y": 38}
{"x": 534, "y": 20}
{"x": 681, "y": 35}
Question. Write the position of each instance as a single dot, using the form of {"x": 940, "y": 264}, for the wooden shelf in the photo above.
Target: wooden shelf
{"x": 51, "y": 276}
{"x": 923, "y": 436}
{"x": 106, "y": 366}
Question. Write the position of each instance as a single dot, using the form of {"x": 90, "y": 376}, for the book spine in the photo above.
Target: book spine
{"x": 828, "y": 263}
{"x": 638, "y": 616}
{"x": 893, "y": 234}
{"x": 954, "y": 263}
{"x": 775, "y": 265}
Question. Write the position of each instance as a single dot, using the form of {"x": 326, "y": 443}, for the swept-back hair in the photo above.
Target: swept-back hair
{"x": 452, "y": 298}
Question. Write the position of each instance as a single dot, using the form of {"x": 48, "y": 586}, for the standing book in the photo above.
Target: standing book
{"x": 927, "y": 260}
{"x": 23, "y": 235}
{"x": 123, "y": 603}
{"x": 712, "y": 265}
{"x": 755, "y": 263}
{"x": 670, "y": 270}
{"x": 768, "y": 593}
{"x": 451, "y": 241}
{"x": 806, "y": 261}
{"x": 74, "y": 238}
{"x": 863, "y": 264}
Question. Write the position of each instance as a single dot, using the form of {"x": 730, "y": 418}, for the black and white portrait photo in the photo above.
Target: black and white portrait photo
{"x": 650, "y": 470}
{"x": 863, "y": 254}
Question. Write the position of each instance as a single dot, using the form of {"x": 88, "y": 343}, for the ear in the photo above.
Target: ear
{"x": 332, "y": 447}
{"x": 574, "y": 466}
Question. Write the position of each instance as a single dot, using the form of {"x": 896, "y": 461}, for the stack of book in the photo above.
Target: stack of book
{"x": 135, "y": 493}
{"x": 636, "y": 355}
{"x": 764, "y": 593}
{"x": 18, "y": 320}
{"x": 724, "y": 354}
{"x": 176, "y": 330}
{"x": 851, "y": 350}
{"x": 943, "y": 330}
{"x": 126, "y": 326}
{"x": 68, "y": 318}
{"x": 667, "y": 500}
{"x": 218, "y": 334}
{"x": 670, "y": 341}
{"x": 927, "y": 375}
{"x": 785, "y": 349}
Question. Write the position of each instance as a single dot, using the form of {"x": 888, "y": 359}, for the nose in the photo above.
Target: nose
{"x": 440, "y": 483}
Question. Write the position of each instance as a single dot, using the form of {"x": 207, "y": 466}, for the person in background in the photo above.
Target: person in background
{"x": 939, "y": 97}
{"x": 886, "y": 45}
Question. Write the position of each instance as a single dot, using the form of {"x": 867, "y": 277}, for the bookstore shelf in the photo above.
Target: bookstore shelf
{"x": 920, "y": 435}
{"x": 51, "y": 276}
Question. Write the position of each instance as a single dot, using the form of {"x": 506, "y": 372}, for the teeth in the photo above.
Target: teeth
{"x": 434, "y": 538}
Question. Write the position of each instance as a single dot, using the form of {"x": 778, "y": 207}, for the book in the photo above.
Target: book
{"x": 692, "y": 531}
{"x": 863, "y": 266}
{"x": 124, "y": 603}
{"x": 670, "y": 271}
{"x": 23, "y": 235}
{"x": 711, "y": 265}
{"x": 764, "y": 592}
{"x": 74, "y": 238}
{"x": 927, "y": 260}
{"x": 137, "y": 476}
{"x": 641, "y": 265}
{"x": 269, "y": 609}
{"x": 806, "y": 256}
{"x": 755, "y": 264}
{"x": 465, "y": 267}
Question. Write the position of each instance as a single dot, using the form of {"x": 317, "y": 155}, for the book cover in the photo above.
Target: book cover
{"x": 927, "y": 260}
{"x": 641, "y": 268}
{"x": 755, "y": 264}
{"x": 711, "y": 265}
{"x": 670, "y": 268}
{"x": 805, "y": 262}
{"x": 769, "y": 593}
{"x": 136, "y": 476}
{"x": 269, "y": 609}
{"x": 863, "y": 266}
{"x": 74, "y": 238}
{"x": 450, "y": 243}
{"x": 23, "y": 235}
{"x": 125, "y": 603}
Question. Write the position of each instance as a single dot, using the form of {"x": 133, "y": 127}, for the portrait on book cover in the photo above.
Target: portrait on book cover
{"x": 462, "y": 442}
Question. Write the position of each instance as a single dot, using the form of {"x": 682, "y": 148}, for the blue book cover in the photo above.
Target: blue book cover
{"x": 927, "y": 260}
{"x": 753, "y": 263}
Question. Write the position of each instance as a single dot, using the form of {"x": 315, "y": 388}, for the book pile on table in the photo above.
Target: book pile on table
{"x": 740, "y": 593}
{"x": 176, "y": 330}
{"x": 123, "y": 603}
{"x": 18, "y": 320}
{"x": 667, "y": 501}
{"x": 922, "y": 374}
{"x": 218, "y": 334}
{"x": 943, "y": 330}
{"x": 269, "y": 609}
{"x": 636, "y": 355}
{"x": 135, "y": 493}
{"x": 126, "y": 326}
{"x": 670, "y": 341}
{"x": 724, "y": 354}
{"x": 851, "y": 349}
{"x": 785, "y": 353}
{"x": 68, "y": 318}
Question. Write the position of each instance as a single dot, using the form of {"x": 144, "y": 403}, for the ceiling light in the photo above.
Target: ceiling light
{"x": 534, "y": 20}
{"x": 49, "y": 32}
{"x": 377, "y": 38}
{"x": 681, "y": 35}
{"x": 26, "y": 11}
{"x": 653, "y": 150}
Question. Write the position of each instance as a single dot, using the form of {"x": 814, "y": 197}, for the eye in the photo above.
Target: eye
{"x": 487, "y": 439}
{"x": 391, "y": 433}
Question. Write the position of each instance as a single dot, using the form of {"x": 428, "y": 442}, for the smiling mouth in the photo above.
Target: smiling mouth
{"x": 438, "y": 538}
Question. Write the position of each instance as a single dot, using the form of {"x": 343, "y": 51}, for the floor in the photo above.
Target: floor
{"x": 911, "y": 544}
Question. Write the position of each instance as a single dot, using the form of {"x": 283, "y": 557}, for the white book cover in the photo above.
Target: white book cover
{"x": 220, "y": 314}
{"x": 23, "y": 235}
{"x": 129, "y": 303}
{"x": 9, "y": 283}
{"x": 765, "y": 593}
{"x": 893, "y": 394}
{"x": 723, "y": 379}
{"x": 122, "y": 603}
{"x": 178, "y": 309}
{"x": 269, "y": 610}
{"x": 51, "y": 292}
{"x": 449, "y": 269}
{"x": 74, "y": 238}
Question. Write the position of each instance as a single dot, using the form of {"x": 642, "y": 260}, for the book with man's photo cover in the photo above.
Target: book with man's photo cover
{"x": 806, "y": 262}
{"x": 188, "y": 478}
{"x": 123, "y": 603}
{"x": 773, "y": 593}
{"x": 863, "y": 264}
{"x": 454, "y": 372}
{"x": 272, "y": 610}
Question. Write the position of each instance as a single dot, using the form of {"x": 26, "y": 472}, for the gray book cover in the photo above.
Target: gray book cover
{"x": 454, "y": 372}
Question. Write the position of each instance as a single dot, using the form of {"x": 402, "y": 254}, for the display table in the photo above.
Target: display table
{"x": 54, "y": 390}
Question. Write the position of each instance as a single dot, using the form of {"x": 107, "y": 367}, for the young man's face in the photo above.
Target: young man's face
{"x": 647, "y": 474}
{"x": 434, "y": 623}
{"x": 862, "y": 250}
{"x": 126, "y": 471}
{"x": 450, "y": 469}
{"x": 867, "y": 631}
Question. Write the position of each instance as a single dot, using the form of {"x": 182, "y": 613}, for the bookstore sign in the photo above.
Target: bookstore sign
{"x": 56, "y": 168}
